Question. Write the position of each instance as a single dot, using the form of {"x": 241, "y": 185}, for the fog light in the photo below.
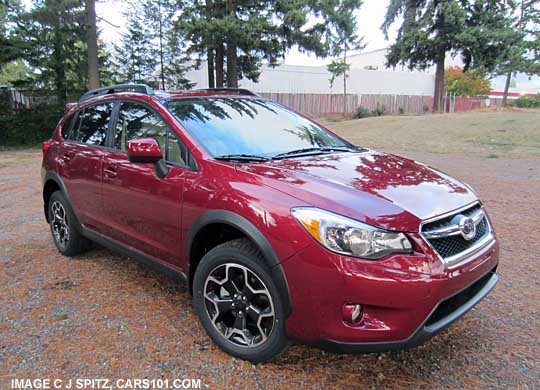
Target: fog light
{"x": 352, "y": 314}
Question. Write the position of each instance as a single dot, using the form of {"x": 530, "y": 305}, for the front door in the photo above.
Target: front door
{"x": 143, "y": 211}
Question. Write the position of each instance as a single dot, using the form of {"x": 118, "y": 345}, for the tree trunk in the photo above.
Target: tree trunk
{"x": 162, "y": 65}
{"x": 232, "y": 69}
{"x": 439, "y": 82}
{"x": 210, "y": 57}
{"x": 210, "y": 65}
{"x": 58, "y": 56}
{"x": 506, "y": 88}
{"x": 345, "y": 82}
{"x": 219, "y": 66}
{"x": 92, "y": 45}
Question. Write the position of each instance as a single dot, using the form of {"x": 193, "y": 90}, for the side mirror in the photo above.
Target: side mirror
{"x": 143, "y": 150}
{"x": 147, "y": 150}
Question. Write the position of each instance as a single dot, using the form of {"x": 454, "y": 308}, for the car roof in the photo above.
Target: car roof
{"x": 109, "y": 93}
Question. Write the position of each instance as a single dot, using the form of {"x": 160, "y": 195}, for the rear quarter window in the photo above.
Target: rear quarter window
{"x": 92, "y": 124}
{"x": 69, "y": 124}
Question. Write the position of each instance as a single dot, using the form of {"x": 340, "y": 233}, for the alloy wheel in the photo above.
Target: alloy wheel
{"x": 239, "y": 305}
{"x": 59, "y": 224}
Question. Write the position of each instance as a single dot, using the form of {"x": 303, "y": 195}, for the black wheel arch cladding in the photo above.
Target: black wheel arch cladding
{"x": 55, "y": 177}
{"x": 253, "y": 234}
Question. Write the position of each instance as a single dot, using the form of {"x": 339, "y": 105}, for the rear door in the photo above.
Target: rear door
{"x": 143, "y": 211}
{"x": 81, "y": 162}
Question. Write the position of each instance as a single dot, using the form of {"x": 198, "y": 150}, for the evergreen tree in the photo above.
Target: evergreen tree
{"x": 343, "y": 38}
{"x": 242, "y": 34}
{"x": 51, "y": 38}
{"x": 92, "y": 44}
{"x": 134, "y": 58}
{"x": 168, "y": 45}
{"x": 9, "y": 10}
{"x": 523, "y": 55}
{"x": 476, "y": 29}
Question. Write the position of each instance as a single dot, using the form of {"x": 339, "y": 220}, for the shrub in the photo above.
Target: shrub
{"x": 380, "y": 110}
{"x": 473, "y": 82}
{"x": 362, "y": 112}
{"x": 29, "y": 127}
{"x": 528, "y": 102}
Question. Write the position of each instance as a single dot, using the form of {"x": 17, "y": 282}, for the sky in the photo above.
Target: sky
{"x": 370, "y": 17}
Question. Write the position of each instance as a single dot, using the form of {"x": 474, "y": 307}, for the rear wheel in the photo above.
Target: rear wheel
{"x": 66, "y": 237}
{"x": 238, "y": 302}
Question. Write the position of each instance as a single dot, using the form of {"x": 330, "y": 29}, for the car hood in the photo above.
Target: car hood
{"x": 384, "y": 190}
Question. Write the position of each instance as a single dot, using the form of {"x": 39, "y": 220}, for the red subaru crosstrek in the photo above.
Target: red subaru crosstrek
{"x": 284, "y": 231}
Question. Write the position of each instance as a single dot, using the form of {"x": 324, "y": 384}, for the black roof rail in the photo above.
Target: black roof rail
{"x": 140, "y": 88}
{"x": 240, "y": 91}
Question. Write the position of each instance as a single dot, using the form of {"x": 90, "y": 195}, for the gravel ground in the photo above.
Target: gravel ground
{"x": 102, "y": 315}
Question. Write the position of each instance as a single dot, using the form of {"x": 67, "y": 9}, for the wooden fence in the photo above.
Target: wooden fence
{"x": 397, "y": 104}
{"x": 315, "y": 103}
{"x": 23, "y": 99}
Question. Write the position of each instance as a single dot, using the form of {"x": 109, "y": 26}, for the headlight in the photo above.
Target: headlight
{"x": 349, "y": 237}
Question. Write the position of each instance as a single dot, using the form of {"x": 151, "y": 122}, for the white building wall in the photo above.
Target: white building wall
{"x": 377, "y": 60}
{"x": 308, "y": 79}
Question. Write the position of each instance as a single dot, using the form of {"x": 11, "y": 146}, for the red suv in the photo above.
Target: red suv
{"x": 283, "y": 230}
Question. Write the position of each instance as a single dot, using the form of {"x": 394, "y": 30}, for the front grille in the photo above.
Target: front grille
{"x": 446, "y": 221}
{"x": 450, "y": 305}
{"x": 451, "y": 244}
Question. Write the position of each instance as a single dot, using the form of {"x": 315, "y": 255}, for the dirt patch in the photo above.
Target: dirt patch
{"x": 102, "y": 315}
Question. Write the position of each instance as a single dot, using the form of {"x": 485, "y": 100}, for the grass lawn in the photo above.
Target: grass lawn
{"x": 483, "y": 133}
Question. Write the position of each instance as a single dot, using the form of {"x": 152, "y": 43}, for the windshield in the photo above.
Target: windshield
{"x": 246, "y": 126}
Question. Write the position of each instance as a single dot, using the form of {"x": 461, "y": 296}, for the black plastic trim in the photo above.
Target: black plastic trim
{"x": 130, "y": 252}
{"x": 246, "y": 227}
{"x": 51, "y": 175}
{"x": 240, "y": 91}
{"x": 139, "y": 88}
{"x": 423, "y": 334}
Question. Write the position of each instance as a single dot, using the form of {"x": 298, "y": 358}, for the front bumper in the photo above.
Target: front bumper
{"x": 407, "y": 299}
{"x": 426, "y": 331}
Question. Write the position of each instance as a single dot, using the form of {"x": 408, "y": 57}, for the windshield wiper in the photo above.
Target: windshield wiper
{"x": 242, "y": 157}
{"x": 311, "y": 151}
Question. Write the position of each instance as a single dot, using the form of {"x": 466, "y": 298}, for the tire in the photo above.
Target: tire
{"x": 257, "y": 307}
{"x": 66, "y": 237}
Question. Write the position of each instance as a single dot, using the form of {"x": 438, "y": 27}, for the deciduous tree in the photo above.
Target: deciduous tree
{"x": 472, "y": 82}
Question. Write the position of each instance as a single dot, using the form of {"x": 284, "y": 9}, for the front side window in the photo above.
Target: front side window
{"x": 138, "y": 121}
{"x": 92, "y": 124}
{"x": 232, "y": 126}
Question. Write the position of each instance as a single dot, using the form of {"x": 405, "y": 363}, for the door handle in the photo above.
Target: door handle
{"x": 110, "y": 172}
{"x": 66, "y": 157}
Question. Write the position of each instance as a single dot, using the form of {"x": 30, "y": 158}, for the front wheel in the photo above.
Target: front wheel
{"x": 238, "y": 303}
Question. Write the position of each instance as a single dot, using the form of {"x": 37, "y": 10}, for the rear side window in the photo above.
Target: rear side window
{"x": 68, "y": 125}
{"x": 138, "y": 121}
{"x": 92, "y": 124}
